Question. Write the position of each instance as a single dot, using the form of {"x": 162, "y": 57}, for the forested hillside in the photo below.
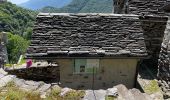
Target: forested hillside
{"x": 18, "y": 23}
{"x": 83, "y": 6}
{"x": 16, "y": 20}
{"x": 38, "y": 4}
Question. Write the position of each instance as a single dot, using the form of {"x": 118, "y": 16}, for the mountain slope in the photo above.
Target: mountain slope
{"x": 83, "y": 6}
{"x": 16, "y": 19}
{"x": 38, "y": 4}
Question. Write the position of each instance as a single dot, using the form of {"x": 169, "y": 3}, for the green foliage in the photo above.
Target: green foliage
{"x": 16, "y": 20}
{"x": 83, "y": 6}
{"x": 16, "y": 46}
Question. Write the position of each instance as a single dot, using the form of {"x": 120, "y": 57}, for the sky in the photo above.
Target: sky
{"x": 18, "y": 1}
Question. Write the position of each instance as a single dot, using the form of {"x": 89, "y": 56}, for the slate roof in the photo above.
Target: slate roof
{"x": 86, "y": 35}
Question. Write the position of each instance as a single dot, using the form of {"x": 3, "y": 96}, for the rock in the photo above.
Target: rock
{"x": 6, "y": 79}
{"x": 65, "y": 91}
{"x": 1, "y": 75}
{"x": 167, "y": 95}
{"x": 139, "y": 96}
{"x": 33, "y": 83}
{"x": 28, "y": 87}
{"x": 112, "y": 92}
{"x": 3, "y": 72}
{"x": 19, "y": 82}
{"x": 43, "y": 95}
{"x": 157, "y": 96}
{"x": 44, "y": 88}
{"x": 95, "y": 95}
{"x": 56, "y": 87}
{"x": 124, "y": 93}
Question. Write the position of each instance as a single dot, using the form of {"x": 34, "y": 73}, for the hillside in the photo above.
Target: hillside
{"x": 83, "y": 6}
{"x": 38, "y": 4}
{"x": 15, "y": 19}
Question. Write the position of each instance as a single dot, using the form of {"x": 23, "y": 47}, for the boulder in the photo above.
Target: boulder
{"x": 64, "y": 91}
{"x": 44, "y": 88}
{"x": 139, "y": 96}
{"x": 112, "y": 92}
{"x": 6, "y": 79}
{"x": 124, "y": 93}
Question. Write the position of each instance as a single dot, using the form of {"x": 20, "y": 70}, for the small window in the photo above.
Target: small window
{"x": 86, "y": 66}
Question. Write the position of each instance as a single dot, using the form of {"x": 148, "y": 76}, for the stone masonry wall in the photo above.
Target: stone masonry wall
{"x": 153, "y": 27}
{"x": 140, "y": 7}
{"x": 164, "y": 63}
{"x": 46, "y": 73}
{"x": 146, "y": 7}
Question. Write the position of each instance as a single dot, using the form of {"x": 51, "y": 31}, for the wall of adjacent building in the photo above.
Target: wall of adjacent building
{"x": 153, "y": 28}
{"x": 110, "y": 73}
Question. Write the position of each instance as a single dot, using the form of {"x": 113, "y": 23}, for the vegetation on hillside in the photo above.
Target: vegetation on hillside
{"x": 19, "y": 23}
{"x": 83, "y": 6}
{"x": 16, "y": 20}
{"x": 38, "y": 4}
{"x": 16, "y": 46}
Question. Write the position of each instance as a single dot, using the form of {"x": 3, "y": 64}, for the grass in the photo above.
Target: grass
{"x": 11, "y": 92}
{"x": 72, "y": 95}
{"x": 152, "y": 87}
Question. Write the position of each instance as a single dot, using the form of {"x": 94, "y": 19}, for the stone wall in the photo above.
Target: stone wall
{"x": 164, "y": 63}
{"x": 140, "y": 7}
{"x": 46, "y": 73}
{"x": 153, "y": 22}
{"x": 111, "y": 72}
{"x": 146, "y": 7}
{"x": 153, "y": 27}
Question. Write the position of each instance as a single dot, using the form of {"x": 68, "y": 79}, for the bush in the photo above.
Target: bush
{"x": 16, "y": 46}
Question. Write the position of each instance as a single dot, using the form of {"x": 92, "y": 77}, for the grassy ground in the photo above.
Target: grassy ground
{"x": 11, "y": 92}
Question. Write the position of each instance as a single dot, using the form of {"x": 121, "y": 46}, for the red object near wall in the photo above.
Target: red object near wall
{"x": 29, "y": 63}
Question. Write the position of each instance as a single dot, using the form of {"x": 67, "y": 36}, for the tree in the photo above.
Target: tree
{"x": 16, "y": 46}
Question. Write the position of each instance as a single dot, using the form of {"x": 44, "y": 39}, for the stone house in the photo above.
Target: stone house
{"x": 92, "y": 50}
{"x": 101, "y": 50}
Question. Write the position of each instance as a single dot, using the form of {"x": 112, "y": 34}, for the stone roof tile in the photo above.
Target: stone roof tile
{"x": 87, "y": 35}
